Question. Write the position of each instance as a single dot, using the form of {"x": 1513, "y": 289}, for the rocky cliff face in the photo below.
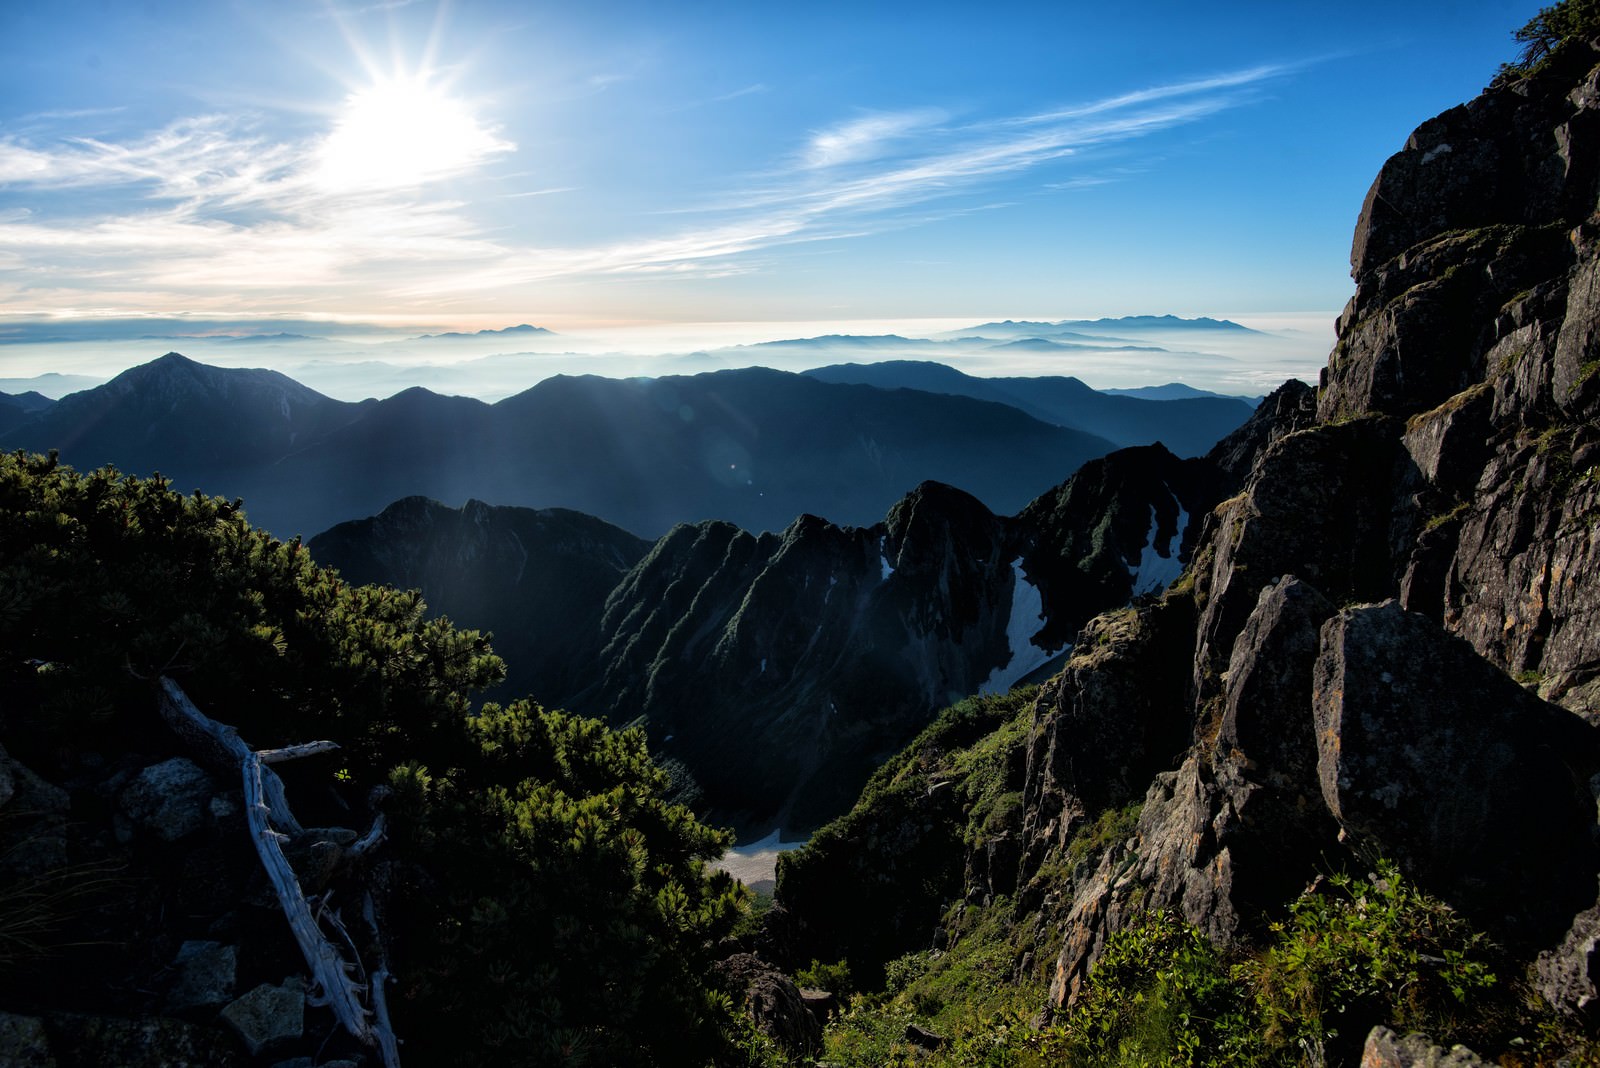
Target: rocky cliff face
{"x": 775, "y": 671}
{"x": 1447, "y": 475}
{"x": 1387, "y": 642}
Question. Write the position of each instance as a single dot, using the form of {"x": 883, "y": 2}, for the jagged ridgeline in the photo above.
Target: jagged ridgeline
{"x": 540, "y": 901}
{"x": 1338, "y": 783}
{"x": 775, "y": 671}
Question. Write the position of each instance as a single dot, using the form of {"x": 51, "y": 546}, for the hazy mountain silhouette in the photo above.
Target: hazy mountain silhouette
{"x": 1188, "y": 426}
{"x": 754, "y": 447}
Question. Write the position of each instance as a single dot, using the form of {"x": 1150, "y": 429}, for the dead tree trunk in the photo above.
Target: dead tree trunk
{"x": 264, "y": 806}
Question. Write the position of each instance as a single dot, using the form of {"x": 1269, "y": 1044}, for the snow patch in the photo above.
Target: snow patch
{"x": 833, "y": 580}
{"x": 763, "y": 665}
{"x": 883, "y": 559}
{"x": 1157, "y": 568}
{"x": 756, "y": 863}
{"x": 1027, "y": 612}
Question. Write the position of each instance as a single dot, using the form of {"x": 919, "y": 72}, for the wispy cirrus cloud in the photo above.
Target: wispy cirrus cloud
{"x": 865, "y": 138}
{"x": 212, "y": 207}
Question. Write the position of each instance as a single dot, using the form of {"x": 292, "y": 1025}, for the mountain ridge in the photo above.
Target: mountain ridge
{"x": 751, "y": 445}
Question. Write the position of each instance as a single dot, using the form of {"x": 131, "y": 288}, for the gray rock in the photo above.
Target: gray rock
{"x": 206, "y": 972}
{"x": 33, "y": 835}
{"x": 1116, "y": 715}
{"x": 1386, "y": 1049}
{"x": 23, "y": 1042}
{"x": 1521, "y": 585}
{"x": 822, "y": 1003}
{"x": 141, "y": 1042}
{"x": 772, "y": 1002}
{"x": 1478, "y": 789}
{"x": 1290, "y": 407}
{"x": 1568, "y": 975}
{"x": 170, "y": 799}
{"x": 1318, "y": 506}
{"x": 269, "y": 1016}
{"x": 1267, "y": 695}
{"x": 1275, "y": 827}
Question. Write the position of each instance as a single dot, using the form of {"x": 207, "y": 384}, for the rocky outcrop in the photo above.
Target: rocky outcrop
{"x": 1290, "y": 407}
{"x": 778, "y": 1008}
{"x": 1386, "y": 1049}
{"x": 1475, "y": 317}
{"x": 1111, "y": 719}
{"x": 1319, "y": 506}
{"x": 1235, "y": 829}
{"x": 1448, "y": 465}
{"x": 1478, "y": 789}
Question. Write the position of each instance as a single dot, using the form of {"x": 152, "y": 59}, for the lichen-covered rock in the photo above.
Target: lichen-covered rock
{"x": 1521, "y": 586}
{"x": 1568, "y": 975}
{"x": 1115, "y": 716}
{"x": 1266, "y": 749}
{"x": 1319, "y": 505}
{"x": 24, "y": 1043}
{"x": 773, "y": 1002}
{"x": 206, "y": 972}
{"x": 1238, "y": 828}
{"x": 1417, "y": 331}
{"x": 1386, "y": 1049}
{"x": 268, "y": 1016}
{"x": 1478, "y": 789}
{"x": 170, "y": 799}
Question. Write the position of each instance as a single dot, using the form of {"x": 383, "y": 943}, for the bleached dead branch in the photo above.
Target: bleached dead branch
{"x": 265, "y": 804}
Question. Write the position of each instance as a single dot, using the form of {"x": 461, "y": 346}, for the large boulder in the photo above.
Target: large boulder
{"x": 170, "y": 800}
{"x": 1387, "y": 1049}
{"x": 269, "y": 1017}
{"x": 772, "y": 1001}
{"x": 1433, "y": 757}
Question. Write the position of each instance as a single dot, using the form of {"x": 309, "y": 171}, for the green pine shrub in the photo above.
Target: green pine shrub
{"x": 546, "y": 902}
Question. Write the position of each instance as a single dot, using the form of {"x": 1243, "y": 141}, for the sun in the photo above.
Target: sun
{"x": 399, "y": 132}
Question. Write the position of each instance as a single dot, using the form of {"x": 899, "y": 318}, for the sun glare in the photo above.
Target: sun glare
{"x": 402, "y": 132}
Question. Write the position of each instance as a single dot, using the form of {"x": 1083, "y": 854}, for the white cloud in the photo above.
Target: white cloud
{"x": 211, "y": 207}
{"x": 865, "y": 138}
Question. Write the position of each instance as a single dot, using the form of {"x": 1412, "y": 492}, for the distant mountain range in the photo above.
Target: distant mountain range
{"x": 1074, "y": 329}
{"x": 754, "y": 447}
{"x": 520, "y": 330}
{"x": 1173, "y": 391}
{"x": 1156, "y": 322}
{"x": 1187, "y": 425}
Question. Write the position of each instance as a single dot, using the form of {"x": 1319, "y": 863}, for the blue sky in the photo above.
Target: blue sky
{"x": 479, "y": 164}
